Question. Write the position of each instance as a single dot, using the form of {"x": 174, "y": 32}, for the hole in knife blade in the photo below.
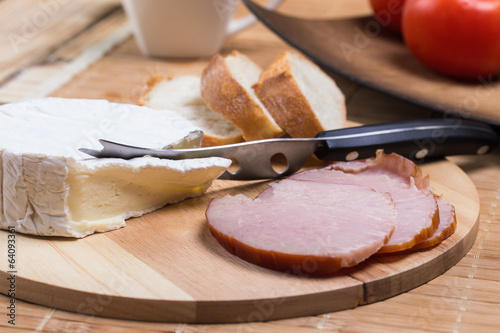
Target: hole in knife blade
{"x": 234, "y": 167}
{"x": 279, "y": 163}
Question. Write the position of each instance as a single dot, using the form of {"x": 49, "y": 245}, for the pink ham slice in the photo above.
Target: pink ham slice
{"x": 447, "y": 226}
{"x": 319, "y": 221}
{"x": 418, "y": 215}
{"x": 303, "y": 227}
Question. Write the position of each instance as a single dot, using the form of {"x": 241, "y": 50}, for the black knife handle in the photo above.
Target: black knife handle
{"x": 418, "y": 140}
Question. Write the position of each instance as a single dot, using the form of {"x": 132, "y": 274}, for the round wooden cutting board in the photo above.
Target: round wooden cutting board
{"x": 165, "y": 266}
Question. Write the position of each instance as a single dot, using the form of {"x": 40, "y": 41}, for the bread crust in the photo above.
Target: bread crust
{"x": 150, "y": 85}
{"x": 210, "y": 140}
{"x": 280, "y": 93}
{"x": 225, "y": 95}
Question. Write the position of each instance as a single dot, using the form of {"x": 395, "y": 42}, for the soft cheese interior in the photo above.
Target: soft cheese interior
{"x": 48, "y": 187}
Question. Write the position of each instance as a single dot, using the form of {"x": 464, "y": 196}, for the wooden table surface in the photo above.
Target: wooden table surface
{"x": 84, "y": 49}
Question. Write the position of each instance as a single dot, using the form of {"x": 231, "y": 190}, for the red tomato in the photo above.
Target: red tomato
{"x": 458, "y": 38}
{"x": 388, "y": 13}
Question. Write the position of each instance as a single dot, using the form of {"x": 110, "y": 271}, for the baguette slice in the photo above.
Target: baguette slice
{"x": 226, "y": 86}
{"x": 182, "y": 95}
{"x": 300, "y": 96}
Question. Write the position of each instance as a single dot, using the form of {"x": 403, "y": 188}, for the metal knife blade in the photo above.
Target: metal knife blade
{"x": 418, "y": 140}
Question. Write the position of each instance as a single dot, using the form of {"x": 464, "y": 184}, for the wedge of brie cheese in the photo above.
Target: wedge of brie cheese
{"x": 48, "y": 187}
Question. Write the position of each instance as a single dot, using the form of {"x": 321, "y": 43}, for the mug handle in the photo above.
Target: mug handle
{"x": 236, "y": 25}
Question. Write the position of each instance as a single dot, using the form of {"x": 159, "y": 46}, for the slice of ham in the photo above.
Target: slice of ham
{"x": 318, "y": 221}
{"x": 304, "y": 227}
{"x": 418, "y": 214}
{"x": 447, "y": 226}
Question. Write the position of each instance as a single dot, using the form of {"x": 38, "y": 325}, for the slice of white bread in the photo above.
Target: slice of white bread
{"x": 182, "y": 95}
{"x": 302, "y": 98}
{"x": 226, "y": 86}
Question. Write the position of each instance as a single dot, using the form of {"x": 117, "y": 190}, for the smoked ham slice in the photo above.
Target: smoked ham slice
{"x": 447, "y": 225}
{"x": 318, "y": 221}
{"x": 303, "y": 227}
{"x": 418, "y": 214}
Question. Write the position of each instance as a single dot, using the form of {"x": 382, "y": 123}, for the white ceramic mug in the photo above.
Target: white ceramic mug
{"x": 185, "y": 28}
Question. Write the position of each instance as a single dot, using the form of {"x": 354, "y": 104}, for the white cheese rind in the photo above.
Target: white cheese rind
{"x": 34, "y": 194}
{"x": 39, "y": 162}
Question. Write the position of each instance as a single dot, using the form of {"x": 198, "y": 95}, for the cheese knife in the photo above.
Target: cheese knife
{"x": 418, "y": 140}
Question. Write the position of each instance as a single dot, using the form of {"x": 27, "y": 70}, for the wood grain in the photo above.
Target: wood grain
{"x": 33, "y": 29}
{"x": 165, "y": 266}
